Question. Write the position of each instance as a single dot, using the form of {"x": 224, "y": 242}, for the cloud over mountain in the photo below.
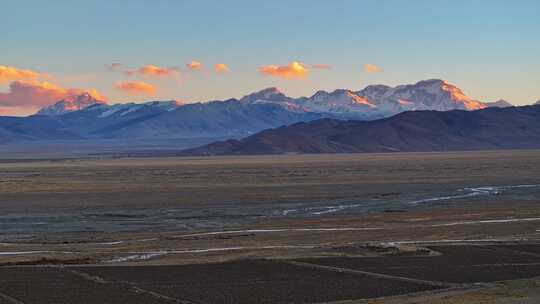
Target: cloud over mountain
{"x": 152, "y": 70}
{"x": 294, "y": 70}
{"x": 221, "y": 68}
{"x": 194, "y": 65}
{"x": 114, "y": 66}
{"x": 38, "y": 94}
{"x": 371, "y": 68}
{"x": 136, "y": 88}
{"x": 8, "y": 73}
{"x": 321, "y": 66}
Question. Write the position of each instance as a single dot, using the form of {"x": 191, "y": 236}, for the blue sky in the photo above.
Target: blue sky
{"x": 490, "y": 49}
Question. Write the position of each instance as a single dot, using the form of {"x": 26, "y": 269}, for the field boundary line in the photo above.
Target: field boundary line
{"x": 129, "y": 286}
{"x": 410, "y": 298}
{"x": 374, "y": 274}
{"x": 9, "y": 299}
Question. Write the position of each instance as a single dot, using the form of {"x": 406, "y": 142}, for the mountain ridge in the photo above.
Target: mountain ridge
{"x": 374, "y": 101}
{"x": 413, "y": 131}
{"x": 501, "y": 103}
{"x": 87, "y": 118}
{"x": 70, "y": 104}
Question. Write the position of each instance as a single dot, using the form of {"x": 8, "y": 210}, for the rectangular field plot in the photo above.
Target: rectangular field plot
{"x": 48, "y": 285}
{"x": 254, "y": 281}
{"x": 524, "y": 248}
{"x": 456, "y": 264}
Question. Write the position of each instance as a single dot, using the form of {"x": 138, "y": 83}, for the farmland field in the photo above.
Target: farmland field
{"x": 161, "y": 224}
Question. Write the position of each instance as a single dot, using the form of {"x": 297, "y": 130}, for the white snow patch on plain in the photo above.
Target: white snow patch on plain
{"x": 277, "y": 230}
{"x": 469, "y": 192}
{"x": 394, "y": 243}
{"x": 321, "y": 209}
{"x": 109, "y": 243}
{"x": 474, "y": 191}
{"x": 136, "y": 257}
{"x": 512, "y": 220}
{"x": 140, "y": 256}
{"x": 6, "y": 253}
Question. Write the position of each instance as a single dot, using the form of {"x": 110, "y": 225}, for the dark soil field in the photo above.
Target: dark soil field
{"x": 456, "y": 264}
{"x": 256, "y": 281}
{"x": 50, "y": 285}
{"x": 525, "y": 248}
{"x": 314, "y": 280}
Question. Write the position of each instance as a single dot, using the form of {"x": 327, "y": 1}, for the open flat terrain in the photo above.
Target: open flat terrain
{"x": 443, "y": 273}
{"x": 393, "y": 214}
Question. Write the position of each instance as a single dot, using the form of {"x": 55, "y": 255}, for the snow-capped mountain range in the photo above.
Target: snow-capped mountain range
{"x": 70, "y": 104}
{"x": 86, "y": 100}
{"x": 375, "y": 101}
{"x": 85, "y": 117}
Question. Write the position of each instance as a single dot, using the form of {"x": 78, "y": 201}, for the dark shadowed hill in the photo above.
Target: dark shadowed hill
{"x": 491, "y": 128}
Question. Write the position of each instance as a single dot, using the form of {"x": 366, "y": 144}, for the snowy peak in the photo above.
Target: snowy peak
{"x": 459, "y": 97}
{"x": 537, "y": 103}
{"x": 269, "y": 94}
{"x": 434, "y": 94}
{"x": 70, "y": 104}
{"x": 501, "y": 103}
{"x": 374, "y": 92}
{"x": 167, "y": 105}
{"x": 88, "y": 103}
{"x": 375, "y": 101}
{"x": 135, "y": 109}
{"x": 338, "y": 100}
{"x": 372, "y": 102}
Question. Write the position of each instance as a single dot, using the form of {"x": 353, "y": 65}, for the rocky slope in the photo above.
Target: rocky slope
{"x": 492, "y": 128}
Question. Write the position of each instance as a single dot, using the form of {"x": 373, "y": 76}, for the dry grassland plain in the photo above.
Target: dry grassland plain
{"x": 180, "y": 211}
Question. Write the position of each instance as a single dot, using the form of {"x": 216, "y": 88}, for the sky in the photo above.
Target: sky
{"x": 195, "y": 51}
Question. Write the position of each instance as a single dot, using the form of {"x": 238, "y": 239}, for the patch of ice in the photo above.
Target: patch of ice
{"x": 136, "y": 257}
{"x": 469, "y": 192}
{"x": 394, "y": 243}
{"x": 110, "y": 243}
{"x": 146, "y": 240}
{"x": 278, "y": 230}
{"x": 141, "y": 256}
{"x": 489, "y": 221}
{"x": 205, "y": 250}
{"x": 474, "y": 191}
{"x": 321, "y": 209}
{"x": 444, "y": 198}
{"x": 5, "y": 253}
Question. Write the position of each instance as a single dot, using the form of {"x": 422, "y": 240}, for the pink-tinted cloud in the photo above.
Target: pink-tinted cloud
{"x": 115, "y": 66}
{"x": 152, "y": 70}
{"x": 294, "y": 70}
{"x": 17, "y": 111}
{"x": 194, "y": 65}
{"x": 371, "y": 68}
{"x": 136, "y": 88}
{"x": 8, "y": 74}
{"x": 321, "y": 66}
{"x": 39, "y": 94}
{"x": 221, "y": 68}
